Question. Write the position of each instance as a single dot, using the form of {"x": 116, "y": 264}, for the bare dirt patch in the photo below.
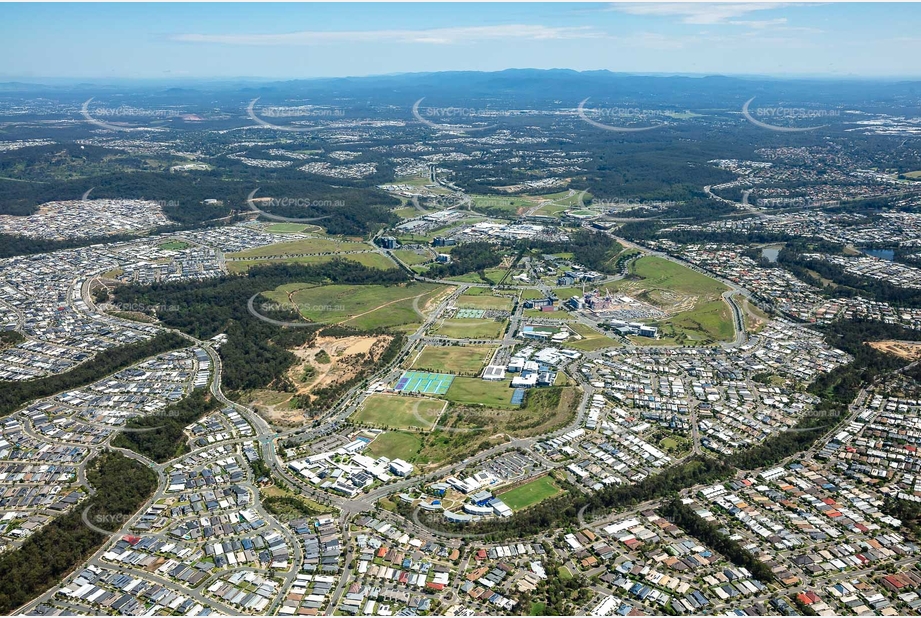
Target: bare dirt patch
{"x": 910, "y": 350}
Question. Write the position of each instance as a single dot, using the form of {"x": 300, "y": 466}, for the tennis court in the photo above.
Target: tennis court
{"x": 470, "y": 313}
{"x": 424, "y": 382}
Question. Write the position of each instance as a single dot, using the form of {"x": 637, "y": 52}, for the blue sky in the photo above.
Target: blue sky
{"x": 169, "y": 40}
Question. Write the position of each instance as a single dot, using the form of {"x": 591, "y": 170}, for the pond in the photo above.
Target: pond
{"x": 770, "y": 253}
{"x": 883, "y": 254}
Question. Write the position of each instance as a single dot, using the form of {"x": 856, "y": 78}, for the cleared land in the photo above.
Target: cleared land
{"x": 361, "y": 306}
{"x": 460, "y": 360}
{"x": 395, "y": 412}
{"x": 530, "y": 493}
{"x": 910, "y": 350}
{"x": 465, "y": 430}
{"x": 590, "y": 341}
{"x": 471, "y": 329}
{"x": 698, "y": 315}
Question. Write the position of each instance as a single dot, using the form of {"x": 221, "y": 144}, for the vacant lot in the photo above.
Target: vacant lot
{"x": 591, "y": 340}
{"x": 910, "y": 350}
{"x": 664, "y": 274}
{"x": 411, "y": 257}
{"x": 471, "y": 329}
{"x": 477, "y": 391}
{"x": 501, "y": 303}
{"x": 396, "y": 412}
{"x": 530, "y": 493}
{"x": 459, "y": 360}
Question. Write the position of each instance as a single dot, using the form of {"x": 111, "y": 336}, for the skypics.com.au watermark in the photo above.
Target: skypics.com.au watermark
{"x": 434, "y": 117}
{"x": 304, "y": 111}
{"x": 622, "y": 114}
{"x": 126, "y": 111}
{"x": 302, "y": 202}
{"x": 123, "y": 111}
{"x": 288, "y": 202}
{"x": 768, "y": 117}
{"x": 137, "y": 307}
{"x": 281, "y": 112}
{"x": 301, "y": 308}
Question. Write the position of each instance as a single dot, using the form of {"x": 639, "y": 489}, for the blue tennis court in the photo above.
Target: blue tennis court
{"x": 424, "y": 382}
{"x": 518, "y": 396}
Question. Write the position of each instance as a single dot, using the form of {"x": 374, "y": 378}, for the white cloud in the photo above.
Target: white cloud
{"x": 440, "y": 36}
{"x": 698, "y": 13}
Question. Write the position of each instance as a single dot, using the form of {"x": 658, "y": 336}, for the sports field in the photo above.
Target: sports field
{"x": 285, "y": 228}
{"x": 424, "y": 382}
{"x": 473, "y": 314}
{"x": 464, "y": 360}
{"x": 395, "y": 412}
{"x": 471, "y": 329}
{"x": 502, "y": 303}
{"x": 396, "y": 445}
{"x": 530, "y": 493}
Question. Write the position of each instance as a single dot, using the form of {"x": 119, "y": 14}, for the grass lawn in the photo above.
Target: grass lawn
{"x": 285, "y": 228}
{"x": 174, "y": 245}
{"x": 411, "y": 257}
{"x": 501, "y": 303}
{"x": 396, "y": 412}
{"x": 660, "y": 273}
{"x": 477, "y": 391}
{"x": 462, "y": 360}
{"x": 304, "y": 245}
{"x": 564, "y": 573}
{"x": 471, "y": 329}
{"x": 591, "y": 340}
{"x": 708, "y": 321}
{"x": 362, "y": 306}
{"x": 371, "y": 260}
{"x": 510, "y": 205}
{"x": 396, "y": 445}
{"x": 478, "y": 292}
{"x": 530, "y": 493}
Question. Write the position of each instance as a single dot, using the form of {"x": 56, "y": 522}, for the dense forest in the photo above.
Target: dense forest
{"x": 593, "y": 250}
{"x": 15, "y": 394}
{"x": 122, "y": 485}
{"x": 161, "y": 436}
{"x": 467, "y": 258}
